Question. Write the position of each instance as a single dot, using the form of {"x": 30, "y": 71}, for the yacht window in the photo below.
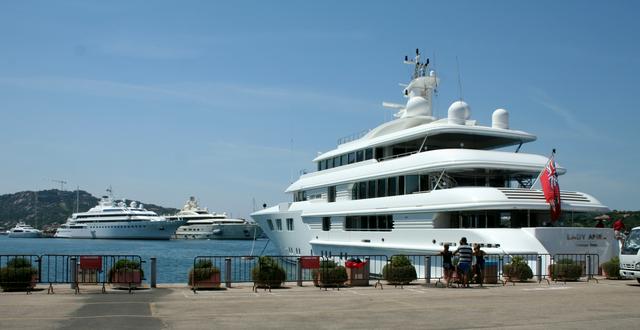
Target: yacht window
{"x": 368, "y": 154}
{"x": 391, "y": 182}
{"x": 379, "y": 153}
{"x": 323, "y": 165}
{"x": 369, "y": 223}
{"x": 270, "y": 224}
{"x": 362, "y": 190}
{"x": 329, "y": 163}
{"x": 400, "y": 185}
{"x": 289, "y": 224}
{"x": 352, "y": 157}
{"x": 382, "y": 188}
{"x": 336, "y": 161}
{"x": 411, "y": 184}
{"x": 359, "y": 156}
{"x": 319, "y": 166}
{"x": 279, "y": 224}
{"x": 343, "y": 160}
{"x": 371, "y": 192}
{"x": 331, "y": 194}
{"x": 424, "y": 183}
{"x": 326, "y": 223}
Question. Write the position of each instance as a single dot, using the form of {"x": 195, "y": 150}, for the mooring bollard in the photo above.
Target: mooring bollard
{"x": 73, "y": 270}
{"x": 427, "y": 270}
{"x": 227, "y": 272}
{"x": 153, "y": 271}
{"x": 299, "y": 273}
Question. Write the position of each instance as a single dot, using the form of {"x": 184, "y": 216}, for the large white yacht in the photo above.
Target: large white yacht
{"x": 414, "y": 183}
{"x": 202, "y": 224}
{"x": 116, "y": 220}
{"x": 22, "y": 230}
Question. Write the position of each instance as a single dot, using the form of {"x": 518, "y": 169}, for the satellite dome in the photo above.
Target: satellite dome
{"x": 500, "y": 119}
{"x": 459, "y": 112}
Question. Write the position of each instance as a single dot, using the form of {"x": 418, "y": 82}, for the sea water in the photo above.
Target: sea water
{"x": 174, "y": 257}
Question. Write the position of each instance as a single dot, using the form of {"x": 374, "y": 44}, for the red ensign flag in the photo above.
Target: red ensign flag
{"x": 549, "y": 183}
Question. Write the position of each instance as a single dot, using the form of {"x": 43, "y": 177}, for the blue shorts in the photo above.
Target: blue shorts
{"x": 464, "y": 266}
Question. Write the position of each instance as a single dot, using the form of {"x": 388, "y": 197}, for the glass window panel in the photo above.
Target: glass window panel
{"x": 368, "y": 154}
{"x": 391, "y": 185}
{"x": 382, "y": 188}
{"x": 359, "y": 156}
{"x": 411, "y": 184}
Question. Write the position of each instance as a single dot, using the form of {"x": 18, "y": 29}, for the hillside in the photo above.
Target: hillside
{"x": 52, "y": 207}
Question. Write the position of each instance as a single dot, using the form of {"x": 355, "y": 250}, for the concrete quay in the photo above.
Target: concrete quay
{"x": 574, "y": 305}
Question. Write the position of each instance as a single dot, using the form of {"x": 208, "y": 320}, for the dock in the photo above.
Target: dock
{"x": 532, "y": 305}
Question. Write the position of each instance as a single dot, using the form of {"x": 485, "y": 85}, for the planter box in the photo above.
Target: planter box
{"x": 212, "y": 282}
{"x": 130, "y": 277}
{"x": 358, "y": 276}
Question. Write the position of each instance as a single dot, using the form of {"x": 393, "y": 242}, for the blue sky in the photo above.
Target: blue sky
{"x": 228, "y": 101}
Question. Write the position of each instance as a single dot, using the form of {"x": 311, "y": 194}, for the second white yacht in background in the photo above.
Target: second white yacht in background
{"x": 22, "y": 230}
{"x": 116, "y": 220}
{"x": 202, "y": 224}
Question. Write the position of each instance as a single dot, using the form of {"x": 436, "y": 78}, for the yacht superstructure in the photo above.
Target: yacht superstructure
{"x": 417, "y": 182}
{"x": 202, "y": 224}
{"x": 22, "y": 230}
{"x": 117, "y": 220}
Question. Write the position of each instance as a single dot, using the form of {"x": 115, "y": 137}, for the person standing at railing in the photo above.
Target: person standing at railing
{"x": 478, "y": 267}
{"x": 447, "y": 264}
{"x": 465, "y": 253}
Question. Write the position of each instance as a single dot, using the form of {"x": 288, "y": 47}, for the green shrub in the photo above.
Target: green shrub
{"x": 331, "y": 274}
{"x": 565, "y": 270}
{"x": 202, "y": 271}
{"x": 268, "y": 273}
{"x": 517, "y": 269}
{"x": 612, "y": 268}
{"x": 125, "y": 265}
{"x": 18, "y": 274}
{"x": 399, "y": 270}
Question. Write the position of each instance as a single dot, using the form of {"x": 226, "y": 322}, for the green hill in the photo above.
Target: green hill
{"x": 44, "y": 208}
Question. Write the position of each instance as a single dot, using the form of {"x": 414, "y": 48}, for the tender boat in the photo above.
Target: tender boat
{"x": 116, "y": 220}
{"x": 22, "y": 230}
{"x": 417, "y": 182}
{"x": 202, "y": 224}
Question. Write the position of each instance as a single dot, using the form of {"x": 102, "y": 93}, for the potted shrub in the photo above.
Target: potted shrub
{"x": 18, "y": 274}
{"x": 324, "y": 264}
{"x": 204, "y": 275}
{"x": 611, "y": 269}
{"x": 357, "y": 272}
{"x": 331, "y": 275}
{"x": 517, "y": 270}
{"x": 399, "y": 271}
{"x": 565, "y": 270}
{"x": 268, "y": 273}
{"x": 126, "y": 271}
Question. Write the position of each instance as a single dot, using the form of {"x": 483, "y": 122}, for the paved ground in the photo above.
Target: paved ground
{"x": 607, "y": 304}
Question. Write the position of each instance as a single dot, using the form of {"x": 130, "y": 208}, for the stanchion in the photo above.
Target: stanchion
{"x": 153, "y": 272}
{"x": 299, "y": 273}
{"x": 427, "y": 270}
{"x": 73, "y": 276}
{"x": 227, "y": 272}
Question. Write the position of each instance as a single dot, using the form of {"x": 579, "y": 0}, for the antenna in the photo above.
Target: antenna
{"x": 77, "y": 198}
{"x": 61, "y": 182}
{"x": 459, "y": 79}
{"x": 110, "y": 191}
{"x": 35, "y": 208}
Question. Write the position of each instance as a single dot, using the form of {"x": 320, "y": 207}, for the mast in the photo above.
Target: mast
{"x": 35, "y": 215}
{"x": 77, "y": 198}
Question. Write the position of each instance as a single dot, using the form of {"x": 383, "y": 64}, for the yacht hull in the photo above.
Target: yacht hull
{"x": 219, "y": 231}
{"x": 152, "y": 230}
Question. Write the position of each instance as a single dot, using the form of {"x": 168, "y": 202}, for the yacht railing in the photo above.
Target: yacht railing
{"x": 352, "y": 137}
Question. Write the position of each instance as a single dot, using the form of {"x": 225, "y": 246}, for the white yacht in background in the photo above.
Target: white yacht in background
{"x": 116, "y": 220}
{"x": 202, "y": 224}
{"x": 417, "y": 182}
{"x": 22, "y": 230}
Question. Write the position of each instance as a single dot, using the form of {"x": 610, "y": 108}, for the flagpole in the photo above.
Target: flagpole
{"x": 553, "y": 153}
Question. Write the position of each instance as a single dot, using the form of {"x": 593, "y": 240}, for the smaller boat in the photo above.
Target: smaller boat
{"x": 22, "y": 230}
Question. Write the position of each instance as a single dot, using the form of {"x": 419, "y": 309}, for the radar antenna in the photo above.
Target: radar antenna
{"x": 420, "y": 69}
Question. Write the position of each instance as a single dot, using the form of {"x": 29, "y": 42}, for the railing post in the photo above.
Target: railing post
{"x": 73, "y": 272}
{"x": 427, "y": 270}
{"x": 299, "y": 272}
{"x": 39, "y": 269}
{"x": 539, "y": 268}
{"x": 589, "y": 267}
{"x": 153, "y": 272}
{"x": 227, "y": 272}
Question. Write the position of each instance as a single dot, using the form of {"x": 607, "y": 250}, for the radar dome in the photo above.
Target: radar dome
{"x": 500, "y": 119}
{"x": 459, "y": 112}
